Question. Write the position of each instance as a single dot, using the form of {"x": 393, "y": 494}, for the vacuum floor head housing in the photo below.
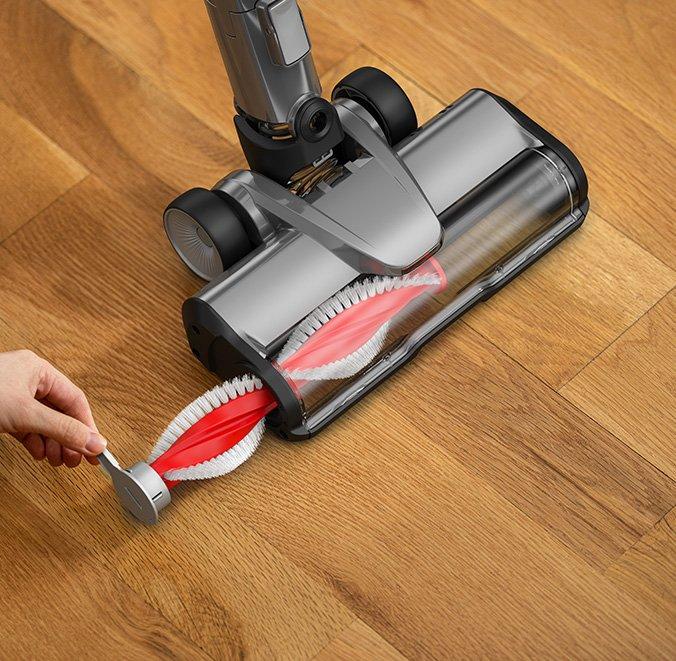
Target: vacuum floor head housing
{"x": 355, "y": 237}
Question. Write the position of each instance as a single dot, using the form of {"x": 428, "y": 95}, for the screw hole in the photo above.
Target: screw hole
{"x": 318, "y": 122}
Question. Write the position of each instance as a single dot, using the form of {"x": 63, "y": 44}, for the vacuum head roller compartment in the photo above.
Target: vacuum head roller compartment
{"x": 355, "y": 237}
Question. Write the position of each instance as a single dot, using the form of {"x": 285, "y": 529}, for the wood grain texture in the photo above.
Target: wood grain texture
{"x": 445, "y": 60}
{"x": 593, "y": 39}
{"x": 115, "y": 123}
{"x": 467, "y": 509}
{"x": 80, "y": 608}
{"x": 33, "y": 171}
{"x": 359, "y": 642}
{"x": 631, "y": 387}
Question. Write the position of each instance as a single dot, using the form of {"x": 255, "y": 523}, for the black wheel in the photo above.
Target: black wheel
{"x": 206, "y": 232}
{"x": 382, "y": 96}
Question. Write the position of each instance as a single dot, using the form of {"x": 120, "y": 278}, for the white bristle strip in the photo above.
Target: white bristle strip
{"x": 351, "y": 295}
{"x": 223, "y": 463}
{"x": 345, "y": 367}
{"x": 203, "y": 405}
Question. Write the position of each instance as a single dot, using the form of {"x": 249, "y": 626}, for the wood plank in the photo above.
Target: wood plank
{"x": 631, "y": 387}
{"x": 115, "y": 123}
{"x": 80, "y": 609}
{"x": 647, "y": 570}
{"x": 359, "y": 641}
{"x": 33, "y": 171}
{"x": 571, "y": 476}
{"x": 210, "y": 576}
{"x": 173, "y": 46}
{"x": 570, "y": 306}
{"x": 625, "y": 49}
{"x": 429, "y": 556}
{"x": 455, "y": 48}
{"x": 629, "y": 164}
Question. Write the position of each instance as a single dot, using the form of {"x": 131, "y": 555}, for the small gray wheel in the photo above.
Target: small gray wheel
{"x": 206, "y": 232}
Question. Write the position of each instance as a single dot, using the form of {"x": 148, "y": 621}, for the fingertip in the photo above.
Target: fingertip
{"x": 96, "y": 444}
{"x": 71, "y": 459}
{"x": 54, "y": 453}
{"x": 35, "y": 445}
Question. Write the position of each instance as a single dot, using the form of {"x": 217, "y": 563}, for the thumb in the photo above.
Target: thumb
{"x": 67, "y": 431}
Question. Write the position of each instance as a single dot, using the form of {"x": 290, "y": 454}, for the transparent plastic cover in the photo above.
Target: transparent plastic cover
{"x": 360, "y": 335}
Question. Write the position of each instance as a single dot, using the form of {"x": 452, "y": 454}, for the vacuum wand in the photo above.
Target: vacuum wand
{"x": 267, "y": 53}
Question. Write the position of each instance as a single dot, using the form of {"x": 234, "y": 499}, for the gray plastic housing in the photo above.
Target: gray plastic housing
{"x": 480, "y": 188}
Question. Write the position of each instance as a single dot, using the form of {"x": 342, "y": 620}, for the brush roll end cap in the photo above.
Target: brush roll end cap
{"x": 142, "y": 492}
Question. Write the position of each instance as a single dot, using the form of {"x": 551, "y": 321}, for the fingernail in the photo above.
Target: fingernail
{"x": 96, "y": 443}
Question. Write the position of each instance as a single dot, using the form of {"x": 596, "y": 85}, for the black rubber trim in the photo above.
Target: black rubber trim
{"x": 547, "y": 139}
{"x": 218, "y": 347}
{"x": 383, "y": 98}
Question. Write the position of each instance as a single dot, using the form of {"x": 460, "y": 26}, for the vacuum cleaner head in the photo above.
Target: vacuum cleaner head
{"x": 475, "y": 196}
{"x": 355, "y": 237}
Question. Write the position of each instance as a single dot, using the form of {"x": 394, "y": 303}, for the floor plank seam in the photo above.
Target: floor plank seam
{"x": 633, "y": 241}
{"x": 640, "y": 539}
{"x": 619, "y": 440}
{"x": 26, "y": 223}
{"x": 504, "y": 351}
{"x": 616, "y": 339}
{"x": 340, "y": 633}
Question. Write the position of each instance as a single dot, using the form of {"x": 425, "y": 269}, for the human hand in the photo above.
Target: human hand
{"x": 46, "y": 412}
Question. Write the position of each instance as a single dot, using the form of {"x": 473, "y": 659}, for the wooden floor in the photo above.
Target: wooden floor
{"x": 509, "y": 494}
